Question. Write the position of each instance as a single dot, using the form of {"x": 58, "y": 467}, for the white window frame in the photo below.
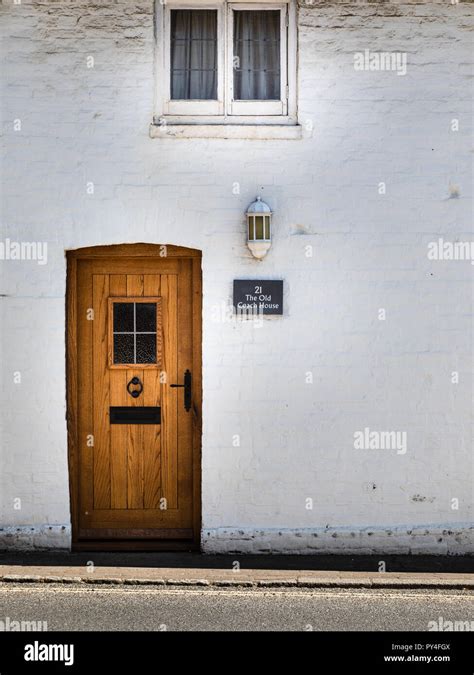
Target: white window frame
{"x": 225, "y": 110}
{"x": 194, "y": 106}
{"x": 248, "y": 107}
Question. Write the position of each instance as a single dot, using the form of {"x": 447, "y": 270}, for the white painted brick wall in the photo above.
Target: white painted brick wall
{"x": 369, "y": 252}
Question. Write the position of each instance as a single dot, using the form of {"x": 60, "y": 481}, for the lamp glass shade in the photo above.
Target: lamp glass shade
{"x": 259, "y": 230}
{"x": 251, "y": 228}
{"x": 259, "y": 222}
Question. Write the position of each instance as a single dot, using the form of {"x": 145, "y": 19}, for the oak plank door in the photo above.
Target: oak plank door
{"x": 135, "y": 477}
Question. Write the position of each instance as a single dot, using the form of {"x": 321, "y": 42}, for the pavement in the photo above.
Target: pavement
{"x": 246, "y": 571}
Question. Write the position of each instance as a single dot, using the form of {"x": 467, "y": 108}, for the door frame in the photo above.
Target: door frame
{"x": 72, "y": 414}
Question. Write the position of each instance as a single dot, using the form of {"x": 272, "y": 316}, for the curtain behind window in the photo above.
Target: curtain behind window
{"x": 257, "y": 46}
{"x": 193, "y": 54}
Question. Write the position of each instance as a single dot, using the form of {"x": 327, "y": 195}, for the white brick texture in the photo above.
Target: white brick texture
{"x": 297, "y": 388}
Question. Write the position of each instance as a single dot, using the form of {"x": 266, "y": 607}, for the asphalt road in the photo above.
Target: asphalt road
{"x": 146, "y": 608}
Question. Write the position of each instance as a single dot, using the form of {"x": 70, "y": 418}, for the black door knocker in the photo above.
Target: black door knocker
{"x": 135, "y": 392}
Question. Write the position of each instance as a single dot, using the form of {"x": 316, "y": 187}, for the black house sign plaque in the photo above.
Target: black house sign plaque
{"x": 258, "y": 296}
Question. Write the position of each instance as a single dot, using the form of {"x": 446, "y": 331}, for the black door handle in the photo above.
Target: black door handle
{"x": 187, "y": 389}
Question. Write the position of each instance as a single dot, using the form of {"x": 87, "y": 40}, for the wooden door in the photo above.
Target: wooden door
{"x": 136, "y": 393}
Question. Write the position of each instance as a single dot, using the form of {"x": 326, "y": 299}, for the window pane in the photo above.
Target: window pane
{"x": 257, "y": 48}
{"x": 146, "y": 348}
{"x": 194, "y": 54}
{"x": 123, "y": 317}
{"x": 146, "y": 316}
{"x": 123, "y": 349}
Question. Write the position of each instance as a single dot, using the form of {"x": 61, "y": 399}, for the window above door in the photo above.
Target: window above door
{"x": 225, "y": 64}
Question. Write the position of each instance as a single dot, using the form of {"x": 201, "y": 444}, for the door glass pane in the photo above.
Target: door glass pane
{"x": 123, "y": 317}
{"x": 257, "y": 55}
{"x": 193, "y": 54}
{"x": 123, "y": 348}
{"x": 134, "y": 332}
{"x": 145, "y": 317}
{"x": 146, "y": 348}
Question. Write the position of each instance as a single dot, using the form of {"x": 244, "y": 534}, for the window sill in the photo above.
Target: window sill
{"x": 239, "y": 131}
